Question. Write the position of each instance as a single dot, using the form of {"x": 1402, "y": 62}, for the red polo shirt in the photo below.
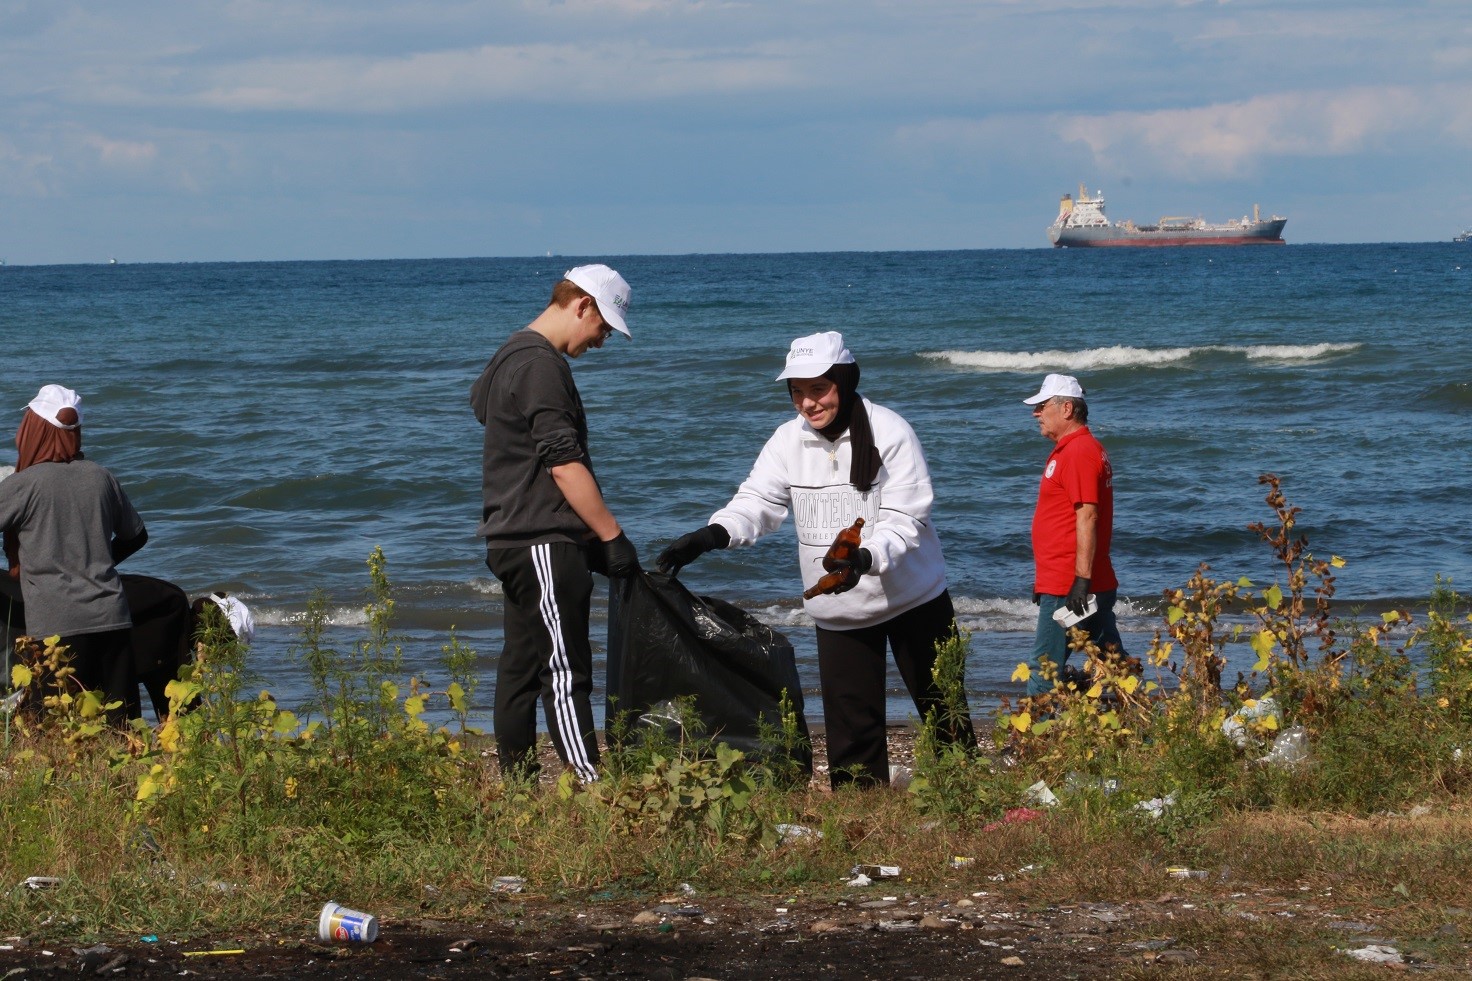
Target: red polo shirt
{"x": 1078, "y": 472}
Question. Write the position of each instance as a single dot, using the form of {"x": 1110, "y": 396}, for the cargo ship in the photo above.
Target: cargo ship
{"x": 1081, "y": 224}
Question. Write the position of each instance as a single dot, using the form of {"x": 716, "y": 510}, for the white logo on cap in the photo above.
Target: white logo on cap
{"x": 799, "y": 352}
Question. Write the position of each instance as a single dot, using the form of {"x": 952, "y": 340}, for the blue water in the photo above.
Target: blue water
{"x": 273, "y": 422}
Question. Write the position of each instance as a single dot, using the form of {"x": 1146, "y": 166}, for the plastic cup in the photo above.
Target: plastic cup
{"x": 1067, "y": 618}
{"x": 337, "y": 922}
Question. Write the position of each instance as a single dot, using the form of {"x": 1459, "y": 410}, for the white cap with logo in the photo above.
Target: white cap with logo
{"x": 608, "y": 289}
{"x": 810, "y": 356}
{"x": 51, "y": 399}
{"x": 1055, "y": 385}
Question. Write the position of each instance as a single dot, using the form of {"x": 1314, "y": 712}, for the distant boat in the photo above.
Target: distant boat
{"x": 112, "y": 262}
{"x": 1464, "y": 237}
{"x": 1081, "y": 224}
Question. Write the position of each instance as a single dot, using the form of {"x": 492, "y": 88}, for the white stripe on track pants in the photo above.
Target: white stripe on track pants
{"x": 546, "y": 593}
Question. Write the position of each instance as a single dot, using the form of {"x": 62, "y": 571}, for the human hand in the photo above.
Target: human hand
{"x": 597, "y": 562}
{"x": 1078, "y": 596}
{"x": 620, "y": 557}
{"x": 688, "y": 548}
{"x": 852, "y": 569}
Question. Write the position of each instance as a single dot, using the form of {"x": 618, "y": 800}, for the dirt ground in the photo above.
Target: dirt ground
{"x": 871, "y": 933}
{"x": 867, "y": 937}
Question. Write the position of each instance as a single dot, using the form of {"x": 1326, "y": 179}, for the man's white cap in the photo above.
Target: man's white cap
{"x": 239, "y": 616}
{"x": 1055, "y": 385}
{"x": 608, "y": 289}
{"x": 51, "y": 399}
{"x": 810, "y": 356}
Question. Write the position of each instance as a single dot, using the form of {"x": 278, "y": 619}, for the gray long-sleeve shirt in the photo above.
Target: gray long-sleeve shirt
{"x": 66, "y": 516}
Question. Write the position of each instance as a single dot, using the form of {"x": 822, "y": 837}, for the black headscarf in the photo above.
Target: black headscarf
{"x": 852, "y": 419}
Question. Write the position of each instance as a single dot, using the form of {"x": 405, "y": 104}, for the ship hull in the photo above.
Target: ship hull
{"x": 1114, "y": 236}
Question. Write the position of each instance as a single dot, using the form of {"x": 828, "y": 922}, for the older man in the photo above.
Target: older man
{"x": 1071, "y": 528}
{"x": 545, "y": 521}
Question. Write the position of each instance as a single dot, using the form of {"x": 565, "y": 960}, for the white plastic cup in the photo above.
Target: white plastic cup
{"x": 337, "y": 922}
{"x": 1067, "y": 618}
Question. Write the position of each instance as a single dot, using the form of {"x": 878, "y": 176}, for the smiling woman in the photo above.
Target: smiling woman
{"x": 846, "y": 468}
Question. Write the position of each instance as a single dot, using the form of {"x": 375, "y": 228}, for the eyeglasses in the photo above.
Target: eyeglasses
{"x": 1037, "y": 409}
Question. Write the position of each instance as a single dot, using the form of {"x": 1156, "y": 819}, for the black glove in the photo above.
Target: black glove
{"x": 852, "y": 570}
{"x": 688, "y": 548}
{"x": 1078, "y": 596}
{"x": 620, "y": 557}
{"x": 593, "y": 551}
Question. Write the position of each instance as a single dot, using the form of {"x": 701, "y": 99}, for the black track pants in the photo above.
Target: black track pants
{"x": 851, "y": 669}
{"x": 104, "y": 664}
{"x": 546, "y": 655}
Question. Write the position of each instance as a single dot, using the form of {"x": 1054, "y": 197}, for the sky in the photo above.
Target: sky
{"x": 175, "y": 130}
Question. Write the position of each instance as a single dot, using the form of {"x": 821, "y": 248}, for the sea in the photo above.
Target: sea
{"x": 274, "y": 422}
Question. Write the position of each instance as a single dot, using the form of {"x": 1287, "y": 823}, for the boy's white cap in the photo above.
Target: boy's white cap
{"x": 238, "y": 614}
{"x": 51, "y": 399}
{"x": 810, "y": 356}
{"x": 608, "y": 289}
{"x": 1055, "y": 385}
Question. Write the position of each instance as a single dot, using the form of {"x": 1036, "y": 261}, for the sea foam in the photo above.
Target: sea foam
{"x": 338, "y": 616}
{"x": 1292, "y": 352}
{"x": 1120, "y": 356}
{"x": 1099, "y": 357}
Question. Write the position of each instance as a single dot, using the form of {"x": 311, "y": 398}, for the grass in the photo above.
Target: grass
{"x": 239, "y": 813}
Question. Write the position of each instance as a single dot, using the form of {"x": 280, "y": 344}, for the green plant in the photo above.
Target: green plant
{"x": 370, "y": 767}
{"x": 786, "y": 750}
{"x": 54, "y": 698}
{"x": 951, "y": 779}
{"x": 459, "y": 663}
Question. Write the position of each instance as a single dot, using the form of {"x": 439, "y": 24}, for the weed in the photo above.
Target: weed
{"x": 786, "y": 751}
{"x": 951, "y": 779}
{"x": 459, "y": 663}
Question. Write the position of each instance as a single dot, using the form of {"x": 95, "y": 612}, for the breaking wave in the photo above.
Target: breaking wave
{"x": 1120, "y": 356}
{"x": 1292, "y": 352}
{"x": 980, "y": 615}
{"x": 338, "y": 616}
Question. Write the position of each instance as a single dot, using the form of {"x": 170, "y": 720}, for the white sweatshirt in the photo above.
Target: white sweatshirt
{"x": 800, "y": 470}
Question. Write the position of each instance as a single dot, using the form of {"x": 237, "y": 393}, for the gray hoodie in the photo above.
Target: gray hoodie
{"x": 534, "y": 421}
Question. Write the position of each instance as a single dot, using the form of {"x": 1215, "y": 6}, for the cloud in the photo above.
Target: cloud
{"x": 600, "y": 73}
{"x": 1232, "y": 139}
{"x": 124, "y": 153}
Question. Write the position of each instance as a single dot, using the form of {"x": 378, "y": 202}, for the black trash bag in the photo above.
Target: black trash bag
{"x": 665, "y": 643}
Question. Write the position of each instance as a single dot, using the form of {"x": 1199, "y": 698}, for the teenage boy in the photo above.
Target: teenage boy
{"x": 545, "y": 522}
